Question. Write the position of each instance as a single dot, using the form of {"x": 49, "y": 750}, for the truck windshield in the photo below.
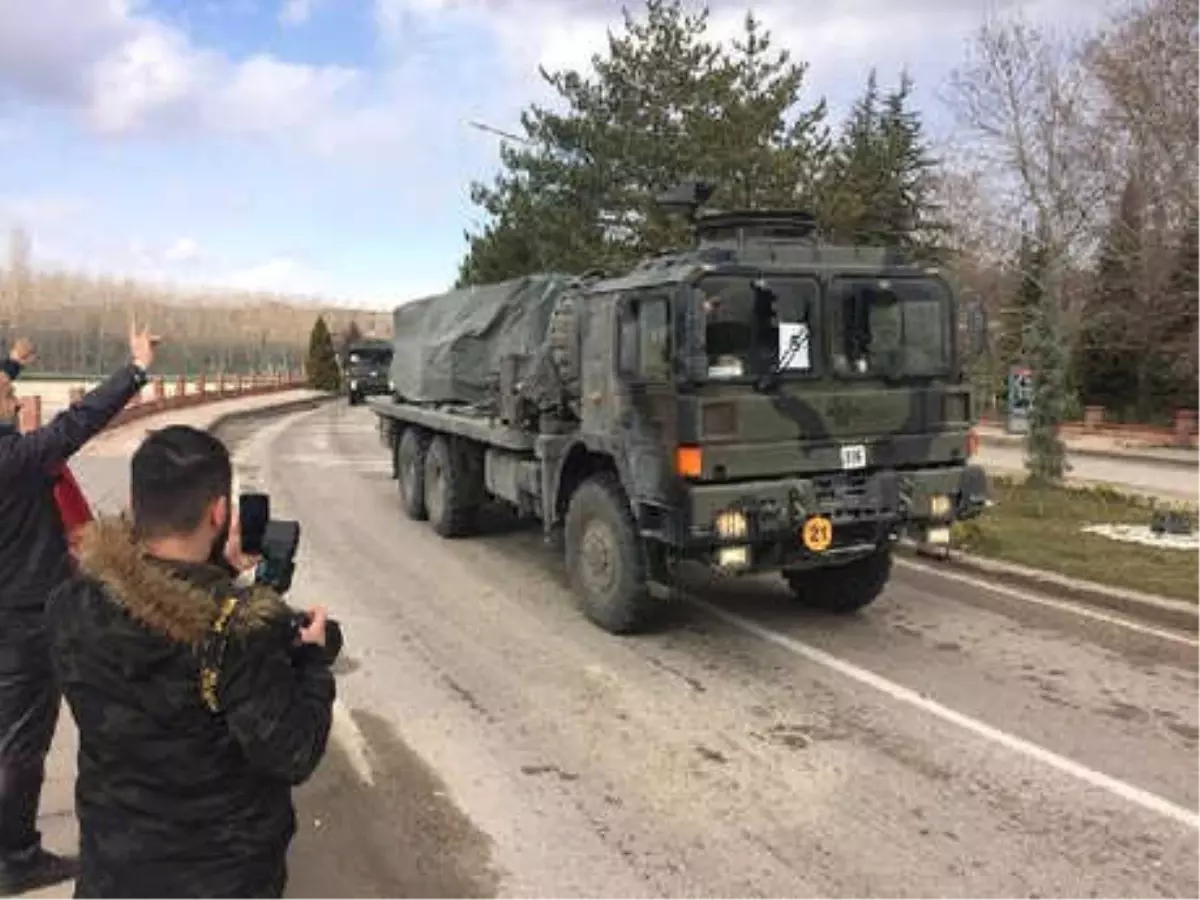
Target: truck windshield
{"x": 890, "y": 327}
{"x": 757, "y": 326}
{"x": 370, "y": 357}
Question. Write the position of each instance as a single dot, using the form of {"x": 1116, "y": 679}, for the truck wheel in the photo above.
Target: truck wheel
{"x": 843, "y": 589}
{"x": 451, "y": 494}
{"x": 604, "y": 559}
{"x": 410, "y": 473}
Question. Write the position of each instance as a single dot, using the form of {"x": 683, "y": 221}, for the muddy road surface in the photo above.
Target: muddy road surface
{"x": 952, "y": 740}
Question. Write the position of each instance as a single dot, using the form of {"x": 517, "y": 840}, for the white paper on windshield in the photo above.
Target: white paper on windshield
{"x": 796, "y": 358}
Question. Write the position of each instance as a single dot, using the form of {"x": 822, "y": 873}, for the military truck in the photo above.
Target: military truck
{"x": 365, "y": 369}
{"x": 761, "y": 402}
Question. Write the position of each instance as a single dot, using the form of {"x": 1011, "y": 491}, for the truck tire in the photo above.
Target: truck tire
{"x": 355, "y": 398}
{"x": 604, "y": 559}
{"x": 452, "y": 496}
{"x": 411, "y": 451}
{"x": 843, "y": 589}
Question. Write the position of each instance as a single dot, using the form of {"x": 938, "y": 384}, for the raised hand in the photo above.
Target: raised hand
{"x": 22, "y": 352}
{"x": 142, "y": 346}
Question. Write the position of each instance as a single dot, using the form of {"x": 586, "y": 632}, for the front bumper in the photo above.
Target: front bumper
{"x": 863, "y": 509}
{"x": 366, "y": 386}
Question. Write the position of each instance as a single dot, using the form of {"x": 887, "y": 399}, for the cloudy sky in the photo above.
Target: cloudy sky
{"x": 322, "y": 146}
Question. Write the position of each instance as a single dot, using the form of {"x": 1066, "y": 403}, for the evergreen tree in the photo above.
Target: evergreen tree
{"x": 1019, "y": 316}
{"x": 1182, "y": 343}
{"x": 664, "y": 103}
{"x": 1105, "y": 368}
{"x": 322, "y": 367}
{"x": 1043, "y": 346}
{"x": 879, "y": 185}
{"x": 1045, "y": 454}
{"x": 350, "y": 335}
{"x": 1137, "y": 345}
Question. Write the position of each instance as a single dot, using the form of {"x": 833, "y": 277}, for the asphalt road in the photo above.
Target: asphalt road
{"x": 951, "y": 741}
{"x": 1155, "y": 479}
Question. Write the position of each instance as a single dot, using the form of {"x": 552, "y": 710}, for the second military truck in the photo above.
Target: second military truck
{"x": 762, "y": 402}
{"x": 365, "y": 371}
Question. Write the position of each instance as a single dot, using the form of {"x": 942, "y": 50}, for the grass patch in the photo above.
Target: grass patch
{"x": 1041, "y": 528}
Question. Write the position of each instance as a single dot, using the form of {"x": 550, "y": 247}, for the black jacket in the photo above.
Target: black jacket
{"x": 173, "y": 798}
{"x": 33, "y": 547}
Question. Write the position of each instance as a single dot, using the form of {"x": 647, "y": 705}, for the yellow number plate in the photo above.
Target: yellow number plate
{"x": 817, "y": 534}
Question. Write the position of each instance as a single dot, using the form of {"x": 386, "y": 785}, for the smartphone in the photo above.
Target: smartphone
{"x": 254, "y": 512}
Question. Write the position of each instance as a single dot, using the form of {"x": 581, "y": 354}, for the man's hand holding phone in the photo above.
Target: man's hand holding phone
{"x": 239, "y": 560}
{"x": 314, "y": 631}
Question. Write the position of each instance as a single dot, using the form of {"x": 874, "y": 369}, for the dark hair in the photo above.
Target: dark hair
{"x": 176, "y": 473}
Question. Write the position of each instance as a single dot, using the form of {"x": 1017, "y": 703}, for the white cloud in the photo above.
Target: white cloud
{"x": 129, "y": 73}
{"x": 840, "y": 40}
{"x": 38, "y": 211}
{"x": 282, "y": 274}
{"x": 154, "y": 70}
{"x": 263, "y": 95}
{"x": 295, "y": 12}
{"x": 183, "y": 250}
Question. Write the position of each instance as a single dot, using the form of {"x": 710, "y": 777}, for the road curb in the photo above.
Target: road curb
{"x": 240, "y": 415}
{"x": 1150, "y": 608}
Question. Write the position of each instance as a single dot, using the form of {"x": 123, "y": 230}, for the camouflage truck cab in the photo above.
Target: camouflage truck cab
{"x": 767, "y": 403}
{"x": 760, "y": 402}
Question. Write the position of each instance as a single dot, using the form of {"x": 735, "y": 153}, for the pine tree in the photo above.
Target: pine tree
{"x": 879, "y": 185}
{"x": 1020, "y": 315}
{"x": 351, "y": 335}
{"x": 663, "y": 103}
{"x": 1043, "y": 346}
{"x": 1105, "y": 368}
{"x": 322, "y": 367}
{"x": 1185, "y": 291}
{"x": 1045, "y": 453}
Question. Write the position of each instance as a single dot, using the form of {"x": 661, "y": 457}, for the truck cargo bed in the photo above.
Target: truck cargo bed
{"x": 473, "y": 426}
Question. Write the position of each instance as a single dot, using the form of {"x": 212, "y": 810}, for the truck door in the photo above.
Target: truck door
{"x": 646, "y": 406}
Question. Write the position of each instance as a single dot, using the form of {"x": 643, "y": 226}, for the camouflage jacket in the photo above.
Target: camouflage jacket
{"x": 176, "y": 797}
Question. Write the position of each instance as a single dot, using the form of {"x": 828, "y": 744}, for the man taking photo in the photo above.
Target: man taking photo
{"x": 199, "y": 703}
{"x": 33, "y": 561}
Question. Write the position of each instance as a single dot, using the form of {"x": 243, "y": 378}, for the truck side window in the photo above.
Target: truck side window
{"x": 645, "y": 339}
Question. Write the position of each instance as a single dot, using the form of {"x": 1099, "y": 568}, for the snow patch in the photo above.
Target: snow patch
{"x": 1141, "y": 534}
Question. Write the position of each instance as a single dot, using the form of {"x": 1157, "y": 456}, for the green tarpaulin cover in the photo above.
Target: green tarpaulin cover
{"x": 448, "y": 347}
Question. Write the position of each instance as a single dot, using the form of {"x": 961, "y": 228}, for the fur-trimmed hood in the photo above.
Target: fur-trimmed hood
{"x": 179, "y": 602}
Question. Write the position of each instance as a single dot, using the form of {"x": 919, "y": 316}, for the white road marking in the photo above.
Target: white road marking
{"x": 1114, "y": 786}
{"x": 347, "y": 735}
{"x": 1064, "y": 605}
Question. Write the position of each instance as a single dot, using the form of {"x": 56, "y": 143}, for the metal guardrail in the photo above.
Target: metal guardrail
{"x": 155, "y": 398}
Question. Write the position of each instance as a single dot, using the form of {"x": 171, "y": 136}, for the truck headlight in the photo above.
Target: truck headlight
{"x": 731, "y": 558}
{"x": 354, "y": 384}
{"x": 939, "y": 506}
{"x": 731, "y": 525}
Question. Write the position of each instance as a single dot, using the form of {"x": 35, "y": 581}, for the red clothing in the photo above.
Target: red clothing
{"x": 73, "y": 507}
